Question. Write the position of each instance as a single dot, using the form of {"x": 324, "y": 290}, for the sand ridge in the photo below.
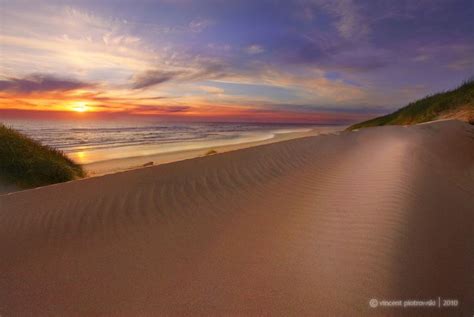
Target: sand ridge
{"x": 311, "y": 226}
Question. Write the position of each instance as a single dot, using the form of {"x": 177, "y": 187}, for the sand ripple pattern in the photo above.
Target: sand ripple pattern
{"x": 315, "y": 226}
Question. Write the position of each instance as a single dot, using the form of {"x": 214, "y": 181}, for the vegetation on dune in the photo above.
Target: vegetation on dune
{"x": 27, "y": 163}
{"x": 457, "y": 103}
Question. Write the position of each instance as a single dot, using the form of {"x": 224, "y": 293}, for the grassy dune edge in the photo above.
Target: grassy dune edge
{"x": 27, "y": 163}
{"x": 454, "y": 104}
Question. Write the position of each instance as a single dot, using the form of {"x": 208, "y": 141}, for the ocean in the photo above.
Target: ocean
{"x": 101, "y": 140}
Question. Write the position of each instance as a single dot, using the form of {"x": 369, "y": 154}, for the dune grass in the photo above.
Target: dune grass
{"x": 27, "y": 163}
{"x": 427, "y": 109}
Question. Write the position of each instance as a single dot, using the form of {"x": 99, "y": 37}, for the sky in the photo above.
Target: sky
{"x": 308, "y": 61}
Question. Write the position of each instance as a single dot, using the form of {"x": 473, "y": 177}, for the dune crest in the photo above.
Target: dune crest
{"x": 311, "y": 226}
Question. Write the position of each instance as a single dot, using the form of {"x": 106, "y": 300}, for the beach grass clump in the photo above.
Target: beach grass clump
{"x": 458, "y": 101}
{"x": 211, "y": 152}
{"x": 27, "y": 163}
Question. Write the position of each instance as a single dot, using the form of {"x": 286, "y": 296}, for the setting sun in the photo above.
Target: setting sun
{"x": 80, "y": 106}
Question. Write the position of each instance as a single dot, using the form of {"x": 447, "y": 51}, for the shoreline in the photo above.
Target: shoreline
{"x": 112, "y": 166}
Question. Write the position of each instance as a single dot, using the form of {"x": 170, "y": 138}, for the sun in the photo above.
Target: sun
{"x": 80, "y": 106}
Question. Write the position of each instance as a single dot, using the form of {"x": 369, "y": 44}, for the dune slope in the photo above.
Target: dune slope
{"x": 312, "y": 226}
{"x": 455, "y": 104}
{"x": 26, "y": 163}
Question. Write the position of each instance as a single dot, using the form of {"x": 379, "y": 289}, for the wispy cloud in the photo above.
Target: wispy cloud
{"x": 40, "y": 83}
{"x": 154, "y": 77}
{"x": 349, "y": 20}
{"x": 199, "y": 24}
{"x": 70, "y": 40}
{"x": 207, "y": 71}
{"x": 203, "y": 56}
{"x": 212, "y": 90}
{"x": 254, "y": 49}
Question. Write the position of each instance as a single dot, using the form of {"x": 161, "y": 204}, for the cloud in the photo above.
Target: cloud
{"x": 199, "y": 25}
{"x": 350, "y": 22}
{"x": 207, "y": 70}
{"x": 154, "y": 77}
{"x": 212, "y": 90}
{"x": 159, "y": 109}
{"x": 364, "y": 51}
{"x": 254, "y": 49}
{"x": 52, "y": 39}
{"x": 37, "y": 83}
{"x": 220, "y": 47}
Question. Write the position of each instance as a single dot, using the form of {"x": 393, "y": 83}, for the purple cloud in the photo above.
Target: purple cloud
{"x": 154, "y": 77}
{"x": 41, "y": 83}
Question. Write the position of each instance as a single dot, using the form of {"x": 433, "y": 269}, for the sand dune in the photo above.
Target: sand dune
{"x": 315, "y": 226}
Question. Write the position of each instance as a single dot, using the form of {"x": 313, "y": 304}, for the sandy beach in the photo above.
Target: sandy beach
{"x": 123, "y": 164}
{"x": 314, "y": 226}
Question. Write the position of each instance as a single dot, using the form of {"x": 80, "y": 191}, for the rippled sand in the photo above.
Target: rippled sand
{"x": 315, "y": 226}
